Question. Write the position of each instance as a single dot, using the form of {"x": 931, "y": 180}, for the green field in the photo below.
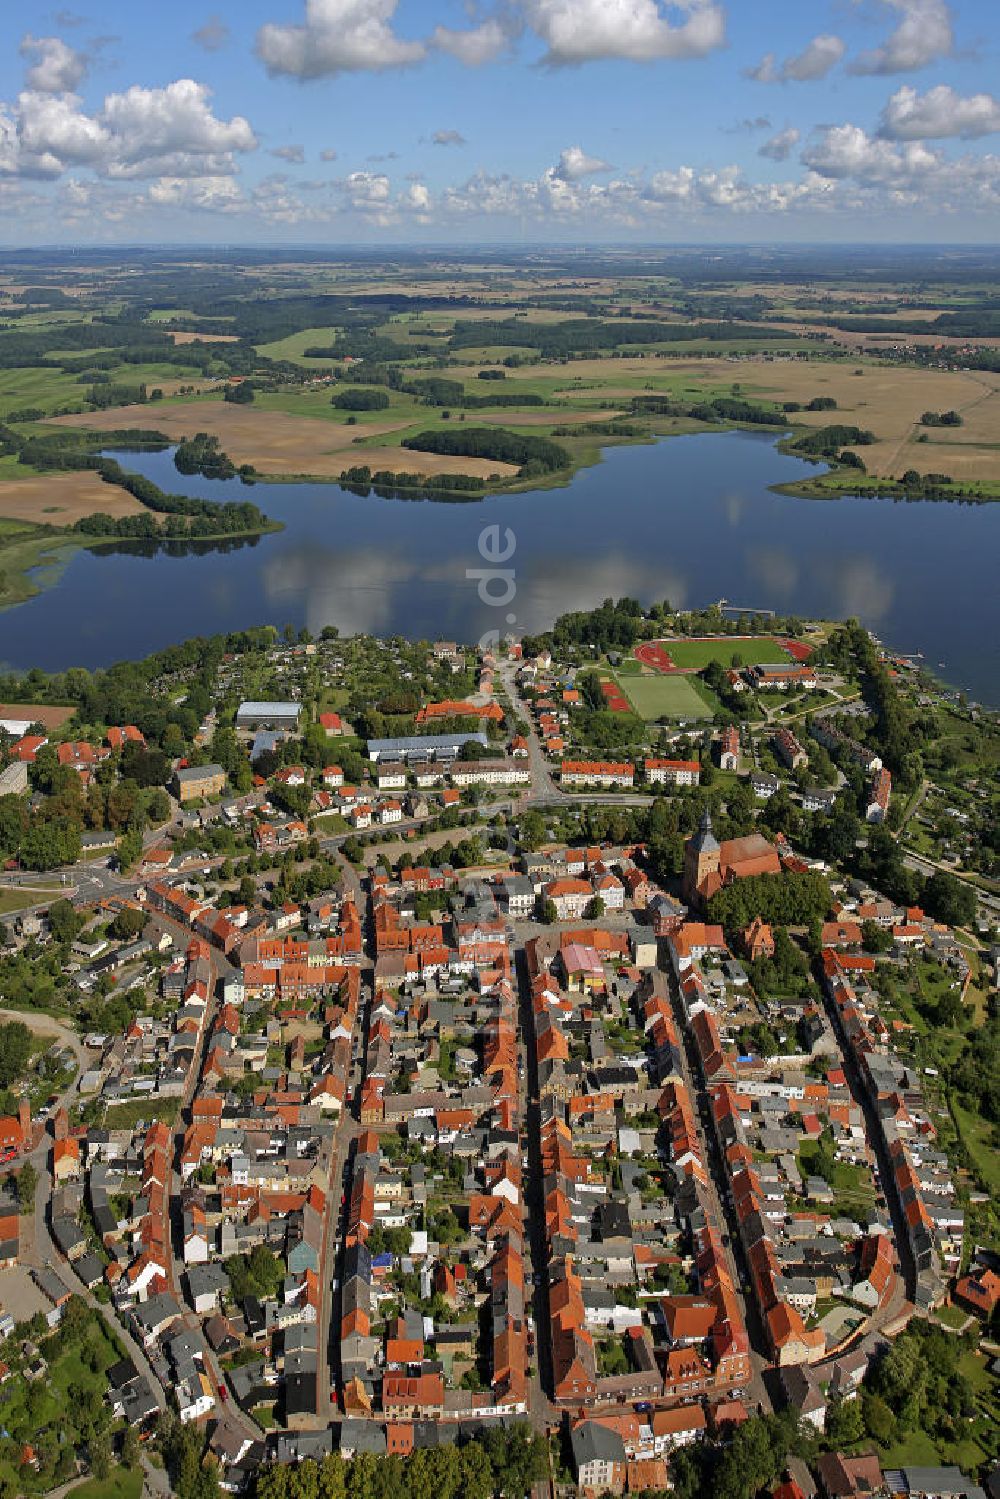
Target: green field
{"x": 151, "y": 374}
{"x": 46, "y": 390}
{"x": 294, "y": 346}
{"x": 666, "y": 697}
{"x": 699, "y": 653}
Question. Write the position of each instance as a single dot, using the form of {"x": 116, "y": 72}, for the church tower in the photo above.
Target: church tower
{"x": 701, "y": 858}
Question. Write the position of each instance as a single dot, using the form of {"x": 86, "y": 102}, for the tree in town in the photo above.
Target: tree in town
{"x": 27, "y": 1181}
{"x": 15, "y": 1051}
{"x": 128, "y": 924}
{"x": 65, "y": 921}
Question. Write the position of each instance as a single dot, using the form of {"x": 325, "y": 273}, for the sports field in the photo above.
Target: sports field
{"x": 665, "y": 697}
{"x": 695, "y": 655}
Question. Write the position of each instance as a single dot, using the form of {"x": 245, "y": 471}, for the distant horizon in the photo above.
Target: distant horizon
{"x": 581, "y": 247}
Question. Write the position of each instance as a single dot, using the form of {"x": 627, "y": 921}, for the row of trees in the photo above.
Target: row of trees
{"x": 360, "y": 475}
{"x": 501, "y": 1461}
{"x": 587, "y": 336}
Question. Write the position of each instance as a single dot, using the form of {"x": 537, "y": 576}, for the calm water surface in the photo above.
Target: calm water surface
{"x": 690, "y": 519}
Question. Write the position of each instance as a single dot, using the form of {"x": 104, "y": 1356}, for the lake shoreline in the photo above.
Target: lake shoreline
{"x": 21, "y": 584}
{"x": 650, "y": 520}
{"x": 587, "y": 451}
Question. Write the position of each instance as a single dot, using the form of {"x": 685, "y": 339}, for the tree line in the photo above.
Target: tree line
{"x": 533, "y": 455}
{"x": 578, "y": 336}
{"x": 503, "y": 1460}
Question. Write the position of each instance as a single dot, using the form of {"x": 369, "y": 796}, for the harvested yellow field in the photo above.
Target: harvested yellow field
{"x": 584, "y": 370}
{"x": 203, "y": 338}
{"x": 958, "y": 461}
{"x": 62, "y": 499}
{"x": 276, "y": 442}
{"x": 890, "y": 401}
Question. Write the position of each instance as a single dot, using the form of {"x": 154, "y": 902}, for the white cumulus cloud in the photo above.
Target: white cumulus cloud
{"x": 937, "y": 114}
{"x": 337, "y": 36}
{"x": 50, "y": 132}
{"x": 848, "y": 151}
{"x": 175, "y": 122}
{"x": 922, "y": 34}
{"x": 55, "y": 67}
{"x": 139, "y": 133}
{"x": 574, "y": 164}
{"x": 577, "y": 31}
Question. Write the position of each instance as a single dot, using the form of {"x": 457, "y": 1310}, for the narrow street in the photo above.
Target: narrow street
{"x": 542, "y": 1412}
{"x": 718, "y": 1193}
{"x": 328, "y": 1314}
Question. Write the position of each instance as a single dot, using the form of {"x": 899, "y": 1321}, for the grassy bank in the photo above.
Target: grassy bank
{"x": 848, "y": 483}
{"x": 31, "y": 558}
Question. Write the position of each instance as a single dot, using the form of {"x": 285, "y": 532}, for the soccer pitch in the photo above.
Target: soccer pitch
{"x": 756, "y": 651}
{"x": 665, "y": 697}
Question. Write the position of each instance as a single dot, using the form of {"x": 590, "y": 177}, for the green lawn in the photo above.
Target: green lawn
{"x": 852, "y": 1186}
{"x": 665, "y": 697}
{"x": 952, "y": 1316}
{"x": 22, "y": 897}
{"x": 700, "y": 653}
{"x": 121, "y": 1483}
{"x": 916, "y": 1450}
{"x": 126, "y": 1115}
{"x": 977, "y": 1136}
{"x": 329, "y": 824}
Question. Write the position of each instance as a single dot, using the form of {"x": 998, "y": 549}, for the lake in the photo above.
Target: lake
{"x": 690, "y": 519}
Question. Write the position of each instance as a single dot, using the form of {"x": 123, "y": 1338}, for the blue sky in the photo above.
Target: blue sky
{"x": 458, "y": 121}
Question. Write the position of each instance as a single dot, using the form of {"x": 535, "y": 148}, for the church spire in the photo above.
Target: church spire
{"x": 704, "y": 841}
